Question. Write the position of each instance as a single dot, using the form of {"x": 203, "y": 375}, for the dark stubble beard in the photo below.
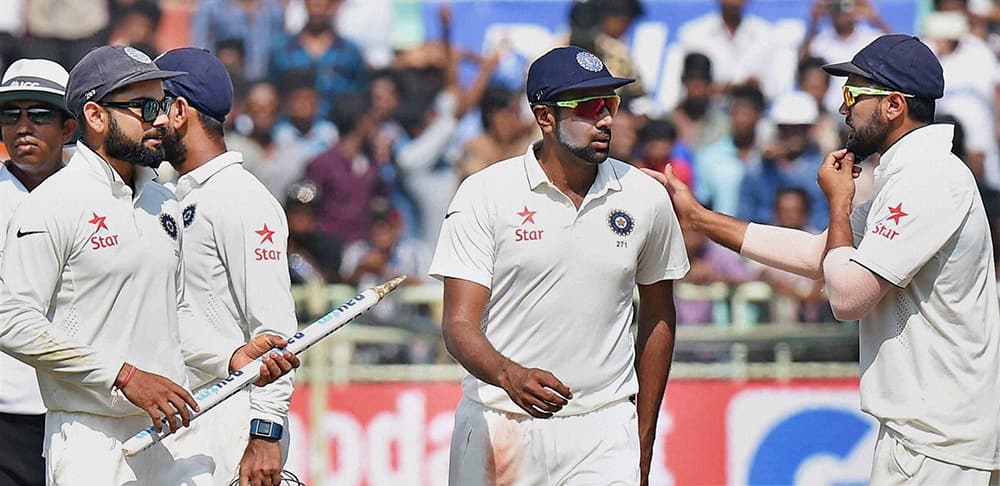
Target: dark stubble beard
{"x": 586, "y": 153}
{"x": 118, "y": 146}
{"x": 868, "y": 139}
{"x": 174, "y": 150}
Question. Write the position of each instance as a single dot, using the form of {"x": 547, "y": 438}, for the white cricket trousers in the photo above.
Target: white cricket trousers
{"x": 228, "y": 427}
{"x": 597, "y": 448}
{"x": 896, "y": 464}
{"x": 85, "y": 449}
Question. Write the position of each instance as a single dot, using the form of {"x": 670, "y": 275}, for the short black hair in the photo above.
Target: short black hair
{"x": 296, "y": 79}
{"x": 231, "y": 43}
{"x": 795, "y": 191}
{"x": 697, "y": 66}
{"x": 750, "y": 94}
{"x": 148, "y": 9}
{"x": 348, "y": 110}
{"x": 807, "y": 65}
{"x": 657, "y": 129}
{"x": 921, "y": 109}
{"x": 212, "y": 127}
{"x": 495, "y": 98}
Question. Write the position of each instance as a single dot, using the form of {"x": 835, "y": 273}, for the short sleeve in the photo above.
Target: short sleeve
{"x": 663, "y": 255}
{"x": 912, "y": 224}
{"x": 465, "y": 247}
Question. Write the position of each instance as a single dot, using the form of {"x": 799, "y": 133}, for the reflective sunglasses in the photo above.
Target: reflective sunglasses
{"x": 36, "y": 115}
{"x": 851, "y": 93}
{"x": 149, "y": 107}
{"x": 591, "y": 107}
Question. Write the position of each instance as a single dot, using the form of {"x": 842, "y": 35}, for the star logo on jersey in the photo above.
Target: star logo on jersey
{"x": 896, "y": 213}
{"x": 265, "y": 234}
{"x": 99, "y": 221}
{"x": 528, "y": 215}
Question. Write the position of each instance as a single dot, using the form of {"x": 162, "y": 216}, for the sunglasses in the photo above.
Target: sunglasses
{"x": 36, "y": 115}
{"x": 590, "y": 107}
{"x": 851, "y": 93}
{"x": 149, "y": 107}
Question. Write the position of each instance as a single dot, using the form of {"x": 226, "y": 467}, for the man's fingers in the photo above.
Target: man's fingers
{"x": 656, "y": 175}
{"x": 169, "y": 413}
{"x": 181, "y": 406}
{"x": 856, "y": 171}
{"x": 550, "y": 397}
{"x": 549, "y": 380}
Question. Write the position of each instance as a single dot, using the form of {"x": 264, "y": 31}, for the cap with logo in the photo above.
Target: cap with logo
{"x": 899, "y": 62}
{"x": 35, "y": 79}
{"x": 107, "y": 68}
{"x": 567, "y": 68}
{"x": 206, "y": 86}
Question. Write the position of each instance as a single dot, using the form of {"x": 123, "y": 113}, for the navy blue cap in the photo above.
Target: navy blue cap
{"x": 206, "y": 86}
{"x": 899, "y": 62}
{"x": 105, "y": 69}
{"x": 566, "y": 68}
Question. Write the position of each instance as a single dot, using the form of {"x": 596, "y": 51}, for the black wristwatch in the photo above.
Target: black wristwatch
{"x": 264, "y": 429}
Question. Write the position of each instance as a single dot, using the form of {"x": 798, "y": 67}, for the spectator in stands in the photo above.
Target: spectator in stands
{"x": 797, "y": 298}
{"x": 854, "y": 23}
{"x": 233, "y": 56}
{"x": 656, "y": 147}
{"x": 64, "y": 31}
{"x": 699, "y": 118}
{"x": 254, "y": 134}
{"x": 971, "y": 72}
{"x": 506, "y": 132}
{"x": 790, "y": 160}
{"x": 719, "y": 168}
{"x": 739, "y": 45}
{"x": 812, "y": 80}
{"x": 340, "y": 69}
{"x": 12, "y": 25}
{"x": 313, "y": 257}
{"x": 349, "y": 185}
{"x": 598, "y": 26}
{"x": 430, "y": 120}
{"x": 301, "y": 134}
{"x": 136, "y": 26}
{"x": 255, "y": 23}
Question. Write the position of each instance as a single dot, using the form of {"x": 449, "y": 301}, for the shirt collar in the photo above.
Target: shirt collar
{"x": 103, "y": 170}
{"x": 203, "y": 173}
{"x": 914, "y": 148}
{"x": 606, "y": 180}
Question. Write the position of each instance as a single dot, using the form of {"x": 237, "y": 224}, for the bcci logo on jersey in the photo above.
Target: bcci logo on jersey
{"x": 799, "y": 437}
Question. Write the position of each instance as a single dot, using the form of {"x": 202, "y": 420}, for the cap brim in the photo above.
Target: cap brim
{"x": 146, "y": 76}
{"x": 845, "y": 69}
{"x": 613, "y": 83}
{"x": 54, "y": 99}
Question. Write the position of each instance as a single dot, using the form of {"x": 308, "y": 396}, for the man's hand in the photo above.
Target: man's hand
{"x": 261, "y": 463}
{"x": 532, "y": 390}
{"x": 685, "y": 204}
{"x": 159, "y": 397}
{"x": 273, "y": 366}
{"x": 836, "y": 177}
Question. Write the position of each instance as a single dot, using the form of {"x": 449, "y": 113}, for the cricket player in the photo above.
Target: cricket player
{"x": 35, "y": 125}
{"x": 540, "y": 255}
{"x": 93, "y": 294}
{"x": 914, "y": 264}
{"x": 236, "y": 261}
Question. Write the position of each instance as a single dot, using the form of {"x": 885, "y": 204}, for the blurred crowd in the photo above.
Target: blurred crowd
{"x": 365, "y": 137}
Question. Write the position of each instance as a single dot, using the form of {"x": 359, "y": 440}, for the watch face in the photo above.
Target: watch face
{"x": 264, "y": 428}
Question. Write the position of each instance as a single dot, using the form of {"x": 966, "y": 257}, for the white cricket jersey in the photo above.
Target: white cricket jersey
{"x": 561, "y": 279}
{"x": 18, "y": 385}
{"x": 930, "y": 367}
{"x": 236, "y": 263}
{"x": 92, "y": 278}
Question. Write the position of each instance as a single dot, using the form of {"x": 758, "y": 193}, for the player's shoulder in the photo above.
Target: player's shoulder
{"x": 634, "y": 180}
{"x": 496, "y": 175}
